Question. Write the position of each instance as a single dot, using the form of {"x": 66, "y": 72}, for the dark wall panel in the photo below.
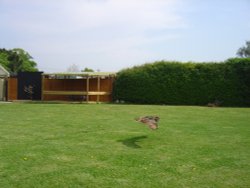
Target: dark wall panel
{"x": 29, "y": 85}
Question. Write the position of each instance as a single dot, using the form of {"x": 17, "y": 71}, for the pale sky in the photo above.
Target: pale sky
{"x": 110, "y": 35}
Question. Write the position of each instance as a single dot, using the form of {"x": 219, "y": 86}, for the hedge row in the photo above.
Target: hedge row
{"x": 178, "y": 83}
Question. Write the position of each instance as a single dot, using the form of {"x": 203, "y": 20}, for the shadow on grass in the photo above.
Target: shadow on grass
{"x": 132, "y": 142}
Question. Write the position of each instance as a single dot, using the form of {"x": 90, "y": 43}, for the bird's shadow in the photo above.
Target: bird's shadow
{"x": 132, "y": 142}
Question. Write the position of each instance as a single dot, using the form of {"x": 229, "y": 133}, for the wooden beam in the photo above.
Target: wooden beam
{"x": 75, "y": 93}
{"x": 64, "y": 92}
{"x": 42, "y": 97}
{"x": 99, "y": 93}
{"x": 87, "y": 90}
{"x": 98, "y": 88}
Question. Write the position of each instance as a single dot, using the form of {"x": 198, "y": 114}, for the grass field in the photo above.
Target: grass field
{"x": 80, "y": 145}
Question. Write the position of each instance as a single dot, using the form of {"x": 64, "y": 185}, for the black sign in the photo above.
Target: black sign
{"x": 29, "y": 85}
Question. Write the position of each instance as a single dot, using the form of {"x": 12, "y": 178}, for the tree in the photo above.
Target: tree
{"x": 244, "y": 51}
{"x": 87, "y": 70}
{"x": 17, "y": 60}
{"x": 73, "y": 68}
{"x": 4, "y": 58}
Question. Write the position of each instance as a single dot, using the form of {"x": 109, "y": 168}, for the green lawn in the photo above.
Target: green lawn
{"x": 80, "y": 145}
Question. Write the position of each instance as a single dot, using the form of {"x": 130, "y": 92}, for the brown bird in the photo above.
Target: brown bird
{"x": 151, "y": 121}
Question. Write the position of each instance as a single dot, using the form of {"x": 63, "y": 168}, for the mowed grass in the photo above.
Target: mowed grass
{"x": 80, "y": 145}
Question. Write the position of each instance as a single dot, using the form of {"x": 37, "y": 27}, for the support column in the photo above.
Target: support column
{"x": 98, "y": 88}
{"x": 42, "y": 97}
{"x": 87, "y": 96}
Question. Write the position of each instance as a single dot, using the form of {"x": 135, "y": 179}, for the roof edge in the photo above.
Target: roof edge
{"x": 80, "y": 74}
{"x": 5, "y": 71}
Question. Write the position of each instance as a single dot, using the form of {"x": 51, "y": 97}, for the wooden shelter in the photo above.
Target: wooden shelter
{"x": 84, "y": 86}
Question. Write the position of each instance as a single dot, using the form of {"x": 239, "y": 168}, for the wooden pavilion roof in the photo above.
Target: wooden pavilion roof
{"x": 82, "y": 74}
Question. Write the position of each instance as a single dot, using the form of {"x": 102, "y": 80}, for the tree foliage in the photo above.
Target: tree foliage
{"x": 245, "y": 50}
{"x": 73, "y": 68}
{"x": 86, "y": 69}
{"x": 178, "y": 83}
{"x": 17, "y": 60}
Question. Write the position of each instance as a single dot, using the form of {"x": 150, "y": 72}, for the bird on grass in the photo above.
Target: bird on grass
{"x": 150, "y": 121}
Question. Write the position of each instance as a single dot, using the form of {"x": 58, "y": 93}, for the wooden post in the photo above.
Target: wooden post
{"x": 98, "y": 88}
{"x": 87, "y": 96}
{"x": 42, "y": 97}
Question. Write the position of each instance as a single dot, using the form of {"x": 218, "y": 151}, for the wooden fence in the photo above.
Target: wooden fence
{"x": 12, "y": 89}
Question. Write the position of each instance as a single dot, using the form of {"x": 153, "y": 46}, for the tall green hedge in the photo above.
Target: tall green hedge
{"x": 178, "y": 83}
